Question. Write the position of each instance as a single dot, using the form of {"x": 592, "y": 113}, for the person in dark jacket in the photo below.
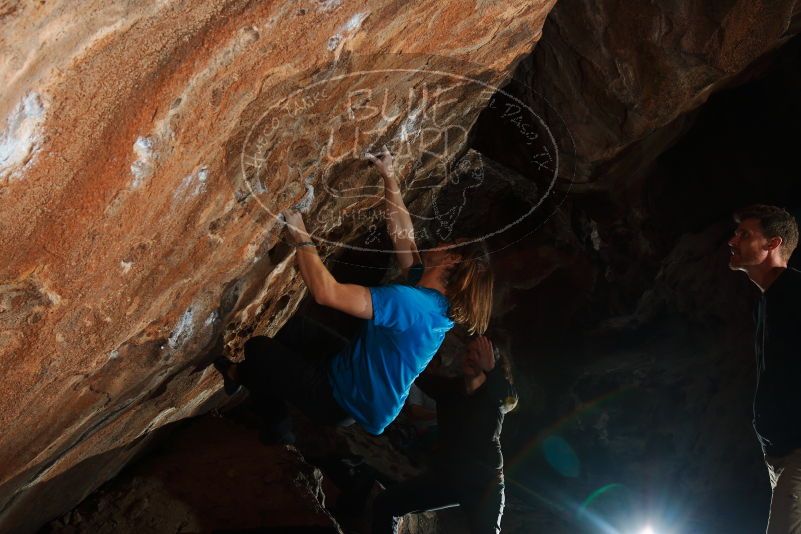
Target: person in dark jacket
{"x": 467, "y": 469}
{"x": 761, "y": 247}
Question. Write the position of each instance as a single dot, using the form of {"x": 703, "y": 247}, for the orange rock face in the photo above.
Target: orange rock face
{"x": 145, "y": 150}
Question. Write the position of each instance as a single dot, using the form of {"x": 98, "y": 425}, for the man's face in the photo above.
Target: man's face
{"x": 471, "y": 364}
{"x": 748, "y": 245}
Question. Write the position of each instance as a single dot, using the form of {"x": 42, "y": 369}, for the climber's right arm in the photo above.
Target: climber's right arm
{"x": 399, "y": 222}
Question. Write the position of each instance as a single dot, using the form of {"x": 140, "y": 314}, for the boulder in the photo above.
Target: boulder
{"x": 145, "y": 154}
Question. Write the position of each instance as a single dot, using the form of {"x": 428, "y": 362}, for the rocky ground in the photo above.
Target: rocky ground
{"x": 210, "y": 475}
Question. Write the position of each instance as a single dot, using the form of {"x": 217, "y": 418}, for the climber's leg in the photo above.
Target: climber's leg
{"x": 274, "y": 374}
{"x": 304, "y": 335}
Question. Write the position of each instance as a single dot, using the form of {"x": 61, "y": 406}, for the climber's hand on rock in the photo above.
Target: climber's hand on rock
{"x": 295, "y": 226}
{"x": 383, "y": 162}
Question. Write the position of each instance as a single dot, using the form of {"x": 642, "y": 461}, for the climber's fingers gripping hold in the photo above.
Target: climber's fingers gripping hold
{"x": 383, "y": 162}
{"x": 295, "y": 226}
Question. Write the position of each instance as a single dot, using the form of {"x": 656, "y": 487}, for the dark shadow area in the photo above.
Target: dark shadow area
{"x": 742, "y": 149}
{"x": 49, "y": 498}
{"x": 207, "y": 474}
{"x": 280, "y": 530}
{"x": 636, "y": 413}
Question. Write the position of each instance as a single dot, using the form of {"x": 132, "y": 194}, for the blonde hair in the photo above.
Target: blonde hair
{"x": 469, "y": 286}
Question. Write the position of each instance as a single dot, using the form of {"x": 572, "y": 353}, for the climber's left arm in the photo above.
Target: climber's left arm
{"x": 352, "y": 299}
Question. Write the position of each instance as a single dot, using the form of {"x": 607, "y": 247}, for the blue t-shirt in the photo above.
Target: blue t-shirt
{"x": 371, "y": 377}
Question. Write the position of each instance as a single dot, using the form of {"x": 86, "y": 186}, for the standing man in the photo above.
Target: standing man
{"x": 761, "y": 246}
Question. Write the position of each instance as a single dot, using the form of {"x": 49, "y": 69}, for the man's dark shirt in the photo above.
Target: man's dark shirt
{"x": 777, "y": 401}
{"x": 469, "y": 426}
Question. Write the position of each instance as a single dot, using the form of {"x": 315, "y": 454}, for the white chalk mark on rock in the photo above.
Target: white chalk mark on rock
{"x": 22, "y": 137}
{"x": 333, "y": 42}
{"x": 305, "y": 203}
{"x": 211, "y": 319}
{"x": 142, "y": 168}
{"x": 346, "y": 31}
{"x": 193, "y": 184}
{"x": 183, "y": 330}
{"x": 595, "y": 236}
{"x": 202, "y": 176}
{"x": 355, "y": 22}
{"x": 327, "y": 6}
{"x": 410, "y": 129}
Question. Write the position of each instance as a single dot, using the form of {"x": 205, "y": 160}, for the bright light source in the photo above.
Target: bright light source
{"x": 647, "y": 530}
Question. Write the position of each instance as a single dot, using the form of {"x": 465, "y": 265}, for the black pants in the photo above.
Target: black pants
{"x": 293, "y": 367}
{"x": 481, "y": 499}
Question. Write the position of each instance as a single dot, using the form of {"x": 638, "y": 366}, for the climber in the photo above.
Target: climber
{"x": 467, "y": 469}
{"x": 368, "y": 379}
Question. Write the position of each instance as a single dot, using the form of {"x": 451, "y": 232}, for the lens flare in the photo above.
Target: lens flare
{"x": 561, "y": 457}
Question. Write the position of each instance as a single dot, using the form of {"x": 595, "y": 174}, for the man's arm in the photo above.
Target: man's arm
{"x": 498, "y": 387}
{"x": 349, "y": 298}
{"x": 399, "y": 222}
